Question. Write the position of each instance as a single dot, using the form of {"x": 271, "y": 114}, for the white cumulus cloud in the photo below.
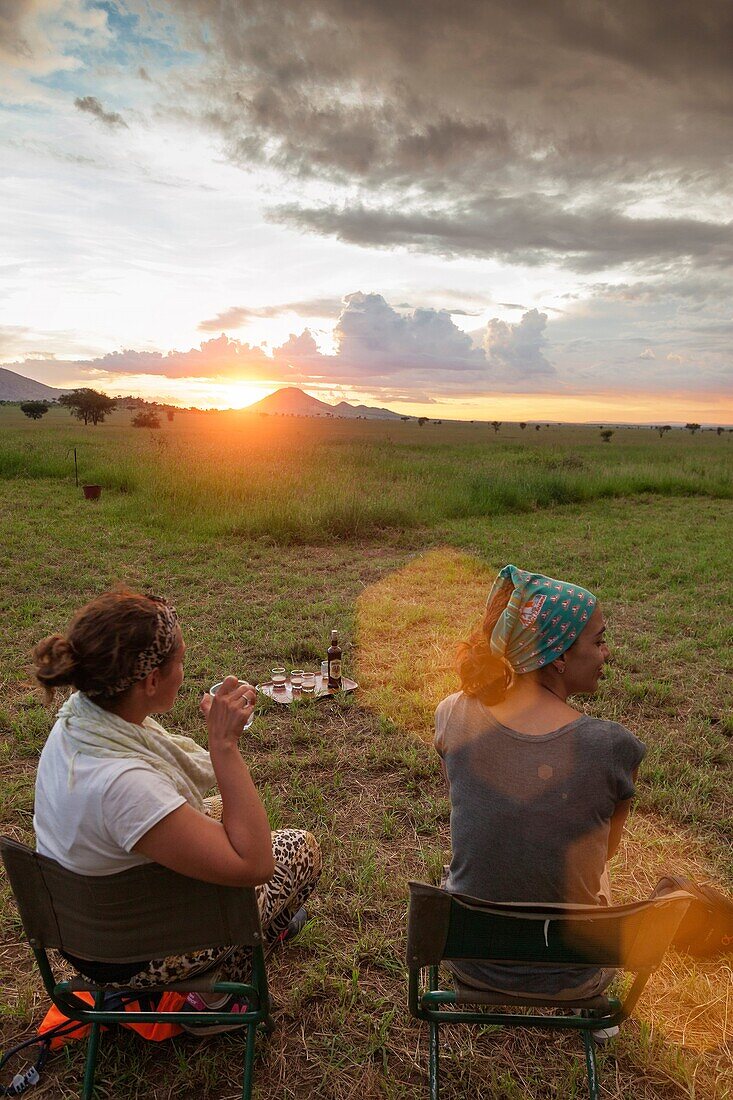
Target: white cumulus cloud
{"x": 516, "y": 350}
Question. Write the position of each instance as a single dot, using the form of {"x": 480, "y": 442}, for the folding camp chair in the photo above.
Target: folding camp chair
{"x": 454, "y": 927}
{"x": 147, "y": 912}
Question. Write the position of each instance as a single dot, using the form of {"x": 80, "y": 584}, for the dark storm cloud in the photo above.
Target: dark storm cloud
{"x": 92, "y": 105}
{"x": 443, "y": 112}
{"x": 532, "y": 230}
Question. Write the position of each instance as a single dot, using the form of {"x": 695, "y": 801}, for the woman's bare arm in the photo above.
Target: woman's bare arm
{"x": 618, "y": 821}
{"x": 237, "y": 851}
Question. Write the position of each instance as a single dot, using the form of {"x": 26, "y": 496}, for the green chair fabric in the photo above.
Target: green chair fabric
{"x": 146, "y": 912}
{"x": 444, "y": 926}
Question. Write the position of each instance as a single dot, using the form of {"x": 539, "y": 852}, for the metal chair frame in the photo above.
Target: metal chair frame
{"x": 468, "y": 928}
{"x": 21, "y": 861}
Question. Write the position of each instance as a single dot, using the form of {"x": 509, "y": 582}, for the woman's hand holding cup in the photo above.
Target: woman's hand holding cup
{"x": 228, "y": 709}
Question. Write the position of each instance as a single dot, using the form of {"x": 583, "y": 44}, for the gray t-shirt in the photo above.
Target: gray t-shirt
{"x": 530, "y": 815}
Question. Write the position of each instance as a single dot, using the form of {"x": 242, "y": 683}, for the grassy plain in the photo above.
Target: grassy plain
{"x": 307, "y": 481}
{"x": 267, "y": 533}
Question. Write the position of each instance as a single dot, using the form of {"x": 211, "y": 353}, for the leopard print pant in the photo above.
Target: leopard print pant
{"x": 298, "y": 867}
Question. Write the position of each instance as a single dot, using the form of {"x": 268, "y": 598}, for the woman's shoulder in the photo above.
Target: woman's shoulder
{"x": 599, "y": 726}
{"x": 457, "y": 703}
{"x": 445, "y": 706}
{"x": 625, "y": 745}
{"x": 457, "y": 714}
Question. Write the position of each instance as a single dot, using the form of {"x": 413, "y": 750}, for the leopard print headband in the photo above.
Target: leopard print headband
{"x": 156, "y": 653}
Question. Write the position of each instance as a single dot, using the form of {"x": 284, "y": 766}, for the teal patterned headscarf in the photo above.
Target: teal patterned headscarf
{"x": 542, "y": 619}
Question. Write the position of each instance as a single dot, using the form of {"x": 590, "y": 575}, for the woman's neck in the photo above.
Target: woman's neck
{"x": 561, "y": 695}
{"x": 531, "y": 706}
{"x": 129, "y": 710}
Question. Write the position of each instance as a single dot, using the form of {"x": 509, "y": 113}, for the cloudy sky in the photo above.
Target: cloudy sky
{"x": 469, "y": 209}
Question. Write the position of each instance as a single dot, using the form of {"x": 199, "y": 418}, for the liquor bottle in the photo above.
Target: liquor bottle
{"x": 334, "y": 663}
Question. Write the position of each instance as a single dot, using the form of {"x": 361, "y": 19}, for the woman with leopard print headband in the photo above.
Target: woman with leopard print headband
{"x": 114, "y": 789}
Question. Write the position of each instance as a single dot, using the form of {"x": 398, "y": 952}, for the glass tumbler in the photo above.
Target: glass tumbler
{"x": 213, "y": 690}
{"x": 278, "y": 678}
{"x": 296, "y": 678}
{"x": 309, "y": 682}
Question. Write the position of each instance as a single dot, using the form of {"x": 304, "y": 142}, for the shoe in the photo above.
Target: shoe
{"x": 603, "y": 1035}
{"x": 297, "y": 923}
{"x": 228, "y": 1003}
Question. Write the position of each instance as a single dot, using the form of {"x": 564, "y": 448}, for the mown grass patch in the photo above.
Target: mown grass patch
{"x": 424, "y": 610}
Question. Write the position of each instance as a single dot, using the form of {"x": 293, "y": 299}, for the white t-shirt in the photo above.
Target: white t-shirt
{"x": 92, "y": 827}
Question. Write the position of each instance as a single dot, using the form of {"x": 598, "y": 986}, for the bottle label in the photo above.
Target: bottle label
{"x": 334, "y": 670}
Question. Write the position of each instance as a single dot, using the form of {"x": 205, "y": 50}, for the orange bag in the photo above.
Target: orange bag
{"x": 156, "y": 1032}
{"x": 57, "y": 1029}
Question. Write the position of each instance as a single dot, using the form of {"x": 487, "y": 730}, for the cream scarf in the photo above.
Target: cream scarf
{"x": 92, "y": 731}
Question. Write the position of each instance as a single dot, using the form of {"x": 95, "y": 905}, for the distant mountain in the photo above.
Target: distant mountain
{"x": 344, "y": 409}
{"x": 291, "y": 401}
{"x": 16, "y": 387}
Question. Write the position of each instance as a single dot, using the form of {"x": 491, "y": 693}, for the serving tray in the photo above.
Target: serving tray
{"x": 285, "y": 695}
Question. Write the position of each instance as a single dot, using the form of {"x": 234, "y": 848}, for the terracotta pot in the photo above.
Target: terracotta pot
{"x": 92, "y": 492}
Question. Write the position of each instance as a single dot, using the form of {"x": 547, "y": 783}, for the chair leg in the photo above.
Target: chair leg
{"x": 591, "y": 1066}
{"x": 433, "y": 1062}
{"x": 87, "y": 1091}
{"x": 249, "y": 1054}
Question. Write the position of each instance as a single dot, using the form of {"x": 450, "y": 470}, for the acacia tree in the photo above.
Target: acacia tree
{"x": 496, "y": 424}
{"x": 34, "y": 410}
{"x": 664, "y": 428}
{"x": 522, "y": 424}
{"x": 692, "y": 428}
{"x": 86, "y": 405}
{"x": 606, "y": 435}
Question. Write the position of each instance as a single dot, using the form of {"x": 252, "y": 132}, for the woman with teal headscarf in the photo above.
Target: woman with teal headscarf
{"x": 539, "y": 790}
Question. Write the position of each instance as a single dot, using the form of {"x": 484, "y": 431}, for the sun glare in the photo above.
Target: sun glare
{"x": 234, "y": 395}
{"x": 202, "y": 393}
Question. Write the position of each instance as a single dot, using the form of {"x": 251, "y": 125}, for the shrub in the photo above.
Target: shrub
{"x": 146, "y": 419}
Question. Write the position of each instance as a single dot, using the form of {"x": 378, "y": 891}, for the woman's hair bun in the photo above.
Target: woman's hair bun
{"x": 483, "y": 674}
{"x": 101, "y": 644}
{"x": 55, "y": 661}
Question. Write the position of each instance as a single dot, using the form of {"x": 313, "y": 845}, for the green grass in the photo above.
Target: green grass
{"x": 307, "y": 481}
{"x": 367, "y": 787}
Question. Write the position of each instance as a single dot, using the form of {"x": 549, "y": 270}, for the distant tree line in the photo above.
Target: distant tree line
{"x": 93, "y": 407}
